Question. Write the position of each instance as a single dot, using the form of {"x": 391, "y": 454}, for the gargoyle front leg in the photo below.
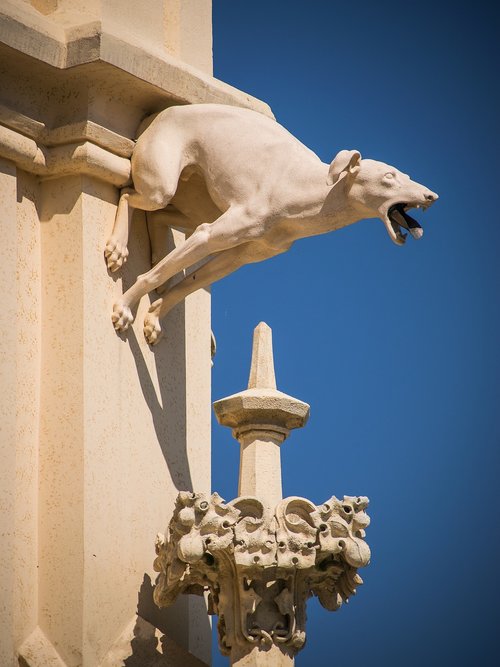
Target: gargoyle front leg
{"x": 230, "y": 230}
{"x": 215, "y": 269}
{"x": 218, "y": 267}
{"x": 116, "y": 251}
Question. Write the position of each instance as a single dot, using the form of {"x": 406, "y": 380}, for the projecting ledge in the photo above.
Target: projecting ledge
{"x": 60, "y": 115}
{"x": 83, "y": 157}
{"x": 81, "y": 40}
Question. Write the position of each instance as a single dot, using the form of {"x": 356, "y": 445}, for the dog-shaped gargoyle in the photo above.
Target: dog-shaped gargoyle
{"x": 244, "y": 189}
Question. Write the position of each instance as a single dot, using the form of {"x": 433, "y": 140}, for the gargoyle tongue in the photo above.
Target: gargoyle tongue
{"x": 399, "y": 215}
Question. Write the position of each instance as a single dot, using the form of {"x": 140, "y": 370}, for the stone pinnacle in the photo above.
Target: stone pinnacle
{"x": 261, "y": 418}
{"x": 262, "y": 365}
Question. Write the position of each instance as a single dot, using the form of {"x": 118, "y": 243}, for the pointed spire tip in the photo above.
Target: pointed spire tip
{"x": 262, "y": 366}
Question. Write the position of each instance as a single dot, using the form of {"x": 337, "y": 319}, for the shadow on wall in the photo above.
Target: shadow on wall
{"x": 149, "y": 650}
{"x": 153, "y": 644}
{"x": 168, "y": 409}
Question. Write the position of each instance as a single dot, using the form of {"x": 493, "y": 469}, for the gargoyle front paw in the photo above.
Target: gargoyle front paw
{"x": 121, "y": 317}
{"x": 116, "y": 254}
{"x": 152, "y": 328}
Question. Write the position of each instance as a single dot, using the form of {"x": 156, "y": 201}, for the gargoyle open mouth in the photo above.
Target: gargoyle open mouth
{"x": 399, "y": 218}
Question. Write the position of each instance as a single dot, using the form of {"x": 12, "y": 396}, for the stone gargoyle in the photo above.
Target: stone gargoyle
{"x": 244, "y": 189}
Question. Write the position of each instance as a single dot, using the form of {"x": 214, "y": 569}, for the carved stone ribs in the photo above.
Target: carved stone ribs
{"x": 260, "y": 566}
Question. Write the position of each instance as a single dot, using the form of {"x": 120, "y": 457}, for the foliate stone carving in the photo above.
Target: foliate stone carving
{"x": 200, "y": 526}
{"x": 261, "y": 558}
{"x": 246, "y": 190}
{"x": 254, "y": 533}
{"x": 260, "y": 566}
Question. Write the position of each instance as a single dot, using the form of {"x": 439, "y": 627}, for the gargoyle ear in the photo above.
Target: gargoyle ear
{"x": 344, "y": 161}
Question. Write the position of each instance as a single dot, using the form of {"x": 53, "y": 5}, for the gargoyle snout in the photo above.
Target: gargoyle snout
{"x": 431, "y": 197}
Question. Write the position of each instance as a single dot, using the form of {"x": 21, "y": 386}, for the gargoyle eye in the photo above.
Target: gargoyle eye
{"x": 390, "y": 174}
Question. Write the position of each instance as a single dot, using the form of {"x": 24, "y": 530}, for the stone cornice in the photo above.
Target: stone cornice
{"x": 73, "y": 95}
{"x": 74, "y": 157}
{"x": 76, "y": 132}
{"x": 67, "y": 47}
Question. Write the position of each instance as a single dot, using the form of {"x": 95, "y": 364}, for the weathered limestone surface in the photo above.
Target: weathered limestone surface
{"x": 19, "y": 406}
{"x": 98, "y": 433}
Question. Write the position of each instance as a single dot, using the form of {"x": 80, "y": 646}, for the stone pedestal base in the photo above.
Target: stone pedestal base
{"x": 260, "y": 567}
{"x": 257, "y": 657}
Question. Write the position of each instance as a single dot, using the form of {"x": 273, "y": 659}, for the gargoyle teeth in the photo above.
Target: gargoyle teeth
{"x": 400, "y": 218}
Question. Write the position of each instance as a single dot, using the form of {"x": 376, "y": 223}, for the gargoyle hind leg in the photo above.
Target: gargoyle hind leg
{"x": 230, "y": 230}
{"x": 218, "y": 267}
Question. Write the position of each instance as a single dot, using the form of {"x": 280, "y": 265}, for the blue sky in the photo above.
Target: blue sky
{"x": 396, "y": 349}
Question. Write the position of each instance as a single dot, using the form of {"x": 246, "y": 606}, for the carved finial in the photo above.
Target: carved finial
{"x": 260, "y": 556}
{"x": 261, "y": 418}
{"x": 262, "y": 367}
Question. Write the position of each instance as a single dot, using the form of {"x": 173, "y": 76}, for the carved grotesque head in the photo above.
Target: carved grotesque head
{"x": 378, "y": 190}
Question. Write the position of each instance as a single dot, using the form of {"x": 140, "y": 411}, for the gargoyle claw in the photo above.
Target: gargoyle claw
{"x": 122, "y": 317}
{"x": 152, "y": 329}
{"x": 116, "y": 254}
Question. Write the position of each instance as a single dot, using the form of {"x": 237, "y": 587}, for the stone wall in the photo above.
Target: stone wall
{"x": 98, "y": 432}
